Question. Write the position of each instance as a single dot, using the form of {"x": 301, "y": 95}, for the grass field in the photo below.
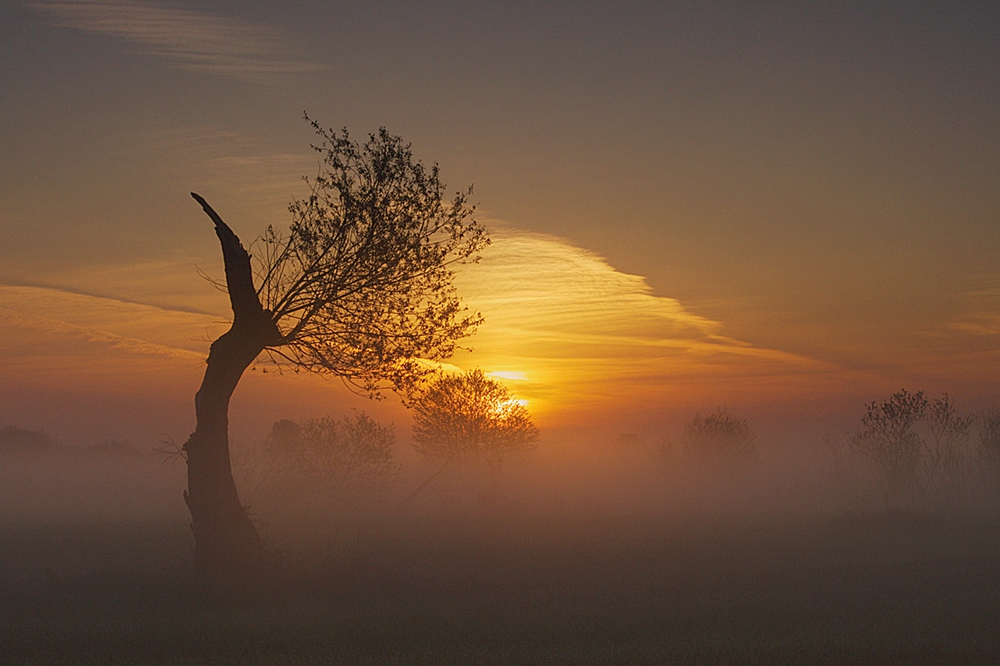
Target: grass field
{"x": 481, "y": 589}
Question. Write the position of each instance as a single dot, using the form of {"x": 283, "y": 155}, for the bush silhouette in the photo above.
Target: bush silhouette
{"x": 719, "y": 436}
{"x": 471, "y": 415}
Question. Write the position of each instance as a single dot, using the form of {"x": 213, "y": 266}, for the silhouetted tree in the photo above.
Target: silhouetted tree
{"x": 719, "y": 436}
{"x": 944, "y": 457}
{"x": 339, "y": 459}
{"x": 888, "y": 440}
{"x": 916, "y": 445}
{"x": 989, "y": 443}
{"x": 470, "y": 415}
{"x": 360, "y": 287}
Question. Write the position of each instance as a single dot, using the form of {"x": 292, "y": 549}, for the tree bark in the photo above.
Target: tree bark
{"x": 226, "y": 541}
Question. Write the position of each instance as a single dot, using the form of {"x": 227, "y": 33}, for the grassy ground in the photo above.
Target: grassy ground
{"x": 890, "y": 589}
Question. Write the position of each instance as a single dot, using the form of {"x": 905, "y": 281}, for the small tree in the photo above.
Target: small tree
{"x": 342, "y": 460}
{"x": 888, "y": 440}
{"x": 470, "y": 415}
{"x": 989, "y": 443}
{"x": 360, "y": 287}
{"x": 944, "y": 460}
{"x": 719, "y": 436}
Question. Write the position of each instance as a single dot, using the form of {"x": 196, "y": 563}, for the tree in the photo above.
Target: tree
{"x": 719, "y": 436}
{"x": 360, "y": 287}
{"x": 338, "y": 459}
{"x": 915, "y": 444}
{"x": 989, "y": 441}
{"x": 944, "y": 450}
{"x": 888, "y": 440}
{"x": 470, "y": 415}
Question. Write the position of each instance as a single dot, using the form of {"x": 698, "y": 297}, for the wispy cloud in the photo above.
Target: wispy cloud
{"x": 192, "y": 40}
{"x": 581, "y": 334}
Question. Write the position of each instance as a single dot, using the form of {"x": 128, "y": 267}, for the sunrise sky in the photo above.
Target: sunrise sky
{"x": 787, "y": 208}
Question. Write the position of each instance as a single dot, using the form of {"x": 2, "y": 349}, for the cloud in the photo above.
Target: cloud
{"x": 583, "y": 335}
{"x": 46, "y": 326}
{"x": 125, "y": 326}
{"x": 571, "y": 334}
{"x": 194, "y": 41}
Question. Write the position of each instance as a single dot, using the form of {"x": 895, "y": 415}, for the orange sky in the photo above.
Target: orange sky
{"x": 788, "y": 210}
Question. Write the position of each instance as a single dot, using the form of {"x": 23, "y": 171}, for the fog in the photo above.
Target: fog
{"x": 603, "y": 547}
{"x": 571, "y": 473}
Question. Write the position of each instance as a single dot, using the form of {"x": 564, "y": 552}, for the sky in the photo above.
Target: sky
{"x": 790, "y": 209}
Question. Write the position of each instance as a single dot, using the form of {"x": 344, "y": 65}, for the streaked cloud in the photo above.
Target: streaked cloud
{"x": 581, "y": 335}
{"x": 570, "y": 333}
{"x": 192, "y": 40}
{"x": 125, "y": 326}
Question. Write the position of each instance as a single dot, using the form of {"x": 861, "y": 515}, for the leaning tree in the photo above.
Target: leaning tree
{"x": 360, "y": 286}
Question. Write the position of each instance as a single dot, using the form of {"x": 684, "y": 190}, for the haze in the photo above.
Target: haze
{"x": 784, "y": 211}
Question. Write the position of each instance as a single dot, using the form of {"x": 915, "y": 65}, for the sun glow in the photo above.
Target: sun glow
{"x": 510, "y": 375}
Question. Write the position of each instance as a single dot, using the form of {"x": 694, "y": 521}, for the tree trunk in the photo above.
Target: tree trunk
{"x": 226, "y": 541}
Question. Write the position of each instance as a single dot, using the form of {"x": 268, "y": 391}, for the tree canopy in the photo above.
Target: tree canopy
{"x": 470, "y": 415}
{"x": 719, "y": 435}
{"x": 361, "y": 285}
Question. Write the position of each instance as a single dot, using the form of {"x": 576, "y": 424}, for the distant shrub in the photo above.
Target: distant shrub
{"x": 719, "y": 436}
{"x": 13, "y": 438}
{"x": 989, "y": 441}
{"x": 330, "y": 457}
{"x": 888, "y": 440}
{"x": 917, "y": 446}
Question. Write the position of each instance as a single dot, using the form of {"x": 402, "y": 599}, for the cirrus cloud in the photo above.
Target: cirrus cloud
{"x": 192, "y": 40}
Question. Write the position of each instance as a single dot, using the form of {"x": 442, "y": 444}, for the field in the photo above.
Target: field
{"x": 483, "y": 588}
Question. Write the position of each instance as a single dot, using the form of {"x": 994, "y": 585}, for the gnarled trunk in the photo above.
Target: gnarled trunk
{"x": 226, "y": 541}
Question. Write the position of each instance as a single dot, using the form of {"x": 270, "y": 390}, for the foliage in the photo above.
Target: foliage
{"x": 989, "y": 441}
{"x": 361, "y": 286}
{"x": 330, "y": 457}
{"x": 470, "y": 415}
{"x": 945, "y": 448}
{"x": 719, "y": 435}
{"x": 916, "y": 445}
{"x": 887, "y": 439}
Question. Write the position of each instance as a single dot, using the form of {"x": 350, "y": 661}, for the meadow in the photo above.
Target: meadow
{"x": 487, "y": 588}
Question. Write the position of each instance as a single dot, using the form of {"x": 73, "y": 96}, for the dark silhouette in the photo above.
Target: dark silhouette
{"x": 470, "y": 415}
{"x": 917, "y": 446}
{"x": 344, "y": 460}
{"x": 887, "y": 438}
{"x": 719, "y": 436}
{"x": 360, "y": 287}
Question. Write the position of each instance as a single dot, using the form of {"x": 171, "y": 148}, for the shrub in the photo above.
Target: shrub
{"x": 471, "y": 415}
{"x": 720, "y": 436}
{"x": 342, "y": 459}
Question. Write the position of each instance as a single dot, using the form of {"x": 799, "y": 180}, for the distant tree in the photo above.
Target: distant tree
{"x": 719, "y": 436}
{"x": 989, "y": 442}
{"x": 13, "y": 439}
{"x": 340, "y": 459}
{"x": 944, "y": 459}
{"x": 360, "y": 287}
{"x": 470, "y": 415}
{"x": 887, "y": 438}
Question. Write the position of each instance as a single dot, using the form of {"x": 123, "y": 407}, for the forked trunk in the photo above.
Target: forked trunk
{"x": 226, "y": 541}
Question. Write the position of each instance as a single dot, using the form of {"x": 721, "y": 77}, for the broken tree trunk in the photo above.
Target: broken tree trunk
{"x": 226, "y": 541}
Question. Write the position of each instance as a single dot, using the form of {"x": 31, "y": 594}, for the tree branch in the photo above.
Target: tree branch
{"x": 239, "y": 277}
